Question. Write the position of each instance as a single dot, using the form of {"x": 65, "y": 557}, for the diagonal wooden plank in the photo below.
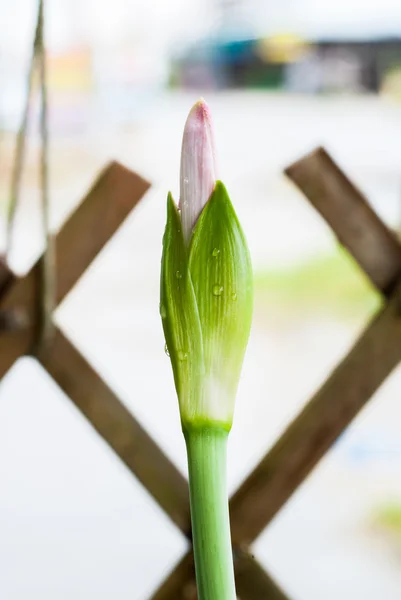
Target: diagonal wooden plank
{"x": 311, "y": 434}
{"x": 114, "y": 422}
{"x": 353, "y": 220}
{"x": 84, "y": 234}
{"x": 8, "y": 319}
{"x": 252, "y": 581}
{"x": 113, "y": 196}
{"x": 6, "y": 276}
{"x": 180, "y": 584}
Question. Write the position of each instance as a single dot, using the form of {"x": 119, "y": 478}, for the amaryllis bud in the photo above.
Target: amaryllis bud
{"x": 198, "y": 169}
{"x": 206, "y": 310}
{"x": 206, "y": 284}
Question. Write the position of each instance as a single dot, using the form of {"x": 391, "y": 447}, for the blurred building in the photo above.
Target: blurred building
{"x": 289, "y": 62}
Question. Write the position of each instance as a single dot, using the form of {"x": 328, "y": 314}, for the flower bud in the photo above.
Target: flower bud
{"x": 206, "y": 285}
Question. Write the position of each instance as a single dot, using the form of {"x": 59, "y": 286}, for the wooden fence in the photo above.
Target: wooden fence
{"x": 307, "y": 438}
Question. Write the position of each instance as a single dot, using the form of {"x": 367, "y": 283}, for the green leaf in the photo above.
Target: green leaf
{"x": 180, "y": 315}
{"x": 221, "y": 272}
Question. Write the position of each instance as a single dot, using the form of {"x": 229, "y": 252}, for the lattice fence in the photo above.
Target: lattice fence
{"x": 308, "y": 437}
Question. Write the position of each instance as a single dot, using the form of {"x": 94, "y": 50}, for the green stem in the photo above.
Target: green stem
{"x": 206, "y": 448}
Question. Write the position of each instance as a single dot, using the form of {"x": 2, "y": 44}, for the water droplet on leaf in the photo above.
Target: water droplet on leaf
{"x": 166, "y": 350}
{"x": 178, "y": 275}
{"x": 182, "y": 355}
{"x": 162, "y": 310}
{"x": 215, "y": 252}
{"x": 234, "y": 296}
{"x": 217, "y": 290}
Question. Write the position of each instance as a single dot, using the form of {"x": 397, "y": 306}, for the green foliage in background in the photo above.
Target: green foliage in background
{"x": 329, "y": 284}
{"x": 388, "y": 517}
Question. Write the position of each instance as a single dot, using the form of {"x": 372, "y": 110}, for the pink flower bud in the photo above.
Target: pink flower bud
{"x": 198, "y": 168}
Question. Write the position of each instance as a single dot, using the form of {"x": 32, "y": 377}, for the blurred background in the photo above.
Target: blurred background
{"x": 280, "y": 78}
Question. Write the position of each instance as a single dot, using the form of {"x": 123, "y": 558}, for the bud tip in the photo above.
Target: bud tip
{"x": 198, "y": 169}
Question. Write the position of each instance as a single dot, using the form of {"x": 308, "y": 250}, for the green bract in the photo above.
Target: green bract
{"x": 206, "y": 308}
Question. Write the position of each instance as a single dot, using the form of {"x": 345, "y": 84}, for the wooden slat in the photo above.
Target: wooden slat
{"x": 113, "y": 421}
{"x": 6, "y": 276}
{"x": 252, "y": 581}
{"x": 113, "y": 196}
{"x": 111, "y": 199}
{"x": 180, "y": 584}
{"x": 8, "y": 319}
{"x": 311, "y": 434}
{"x": 353, "y": 220}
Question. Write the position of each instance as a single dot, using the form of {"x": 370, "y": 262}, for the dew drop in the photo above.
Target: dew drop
{"x": 162, "y": 310}
{"x": 234, "y": 296}
{"x": 215, "y": 252}
{"x": 186, "y": 180}
{"x": 217, "y": 290}
{"x": 178, "y": 275}
{"x": 182, "y": 355}
{"x": 166, "y": 350}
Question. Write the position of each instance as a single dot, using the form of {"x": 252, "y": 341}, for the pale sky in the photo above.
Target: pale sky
{"x": 161, "y": 23}
{"x": 104, "y": 21}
